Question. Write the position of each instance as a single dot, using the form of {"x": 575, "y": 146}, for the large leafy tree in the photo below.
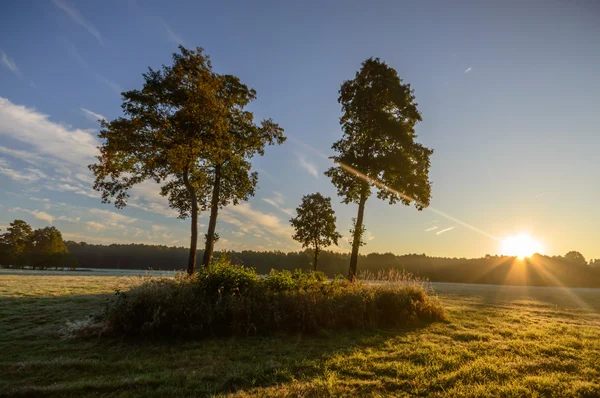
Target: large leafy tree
{"x": 48, "y": 248}
{"x": 180, "y": 131}
{"x": 378, "y": 150}
{"x": 315, "y": 224}
{"x": 16, "y": 242}
{"x": 228, "y": 165}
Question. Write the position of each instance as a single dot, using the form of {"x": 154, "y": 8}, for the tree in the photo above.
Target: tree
{"x": 575, "y": 258}
{"x": 48, "y": 248}
{"x": 16, "y": 243}
{"x": 378, "y": 148}
{"x": 230, "y": 177}
{"x": 315, "y": 224}
{"x": 180, "y": 131}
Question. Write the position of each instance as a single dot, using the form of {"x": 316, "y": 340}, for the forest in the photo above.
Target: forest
{"x": 572, "y": 269}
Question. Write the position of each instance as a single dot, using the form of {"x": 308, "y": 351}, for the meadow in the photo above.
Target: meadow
{"x": 496, "y": 341}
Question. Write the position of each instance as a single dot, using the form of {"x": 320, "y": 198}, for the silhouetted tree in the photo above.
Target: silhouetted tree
{"x": 378, "y": 147}
{"x": 315, "y": 224}
{"x": 575, "y": 258}
{"x": 228, "y": 164}
{"x": 16, "y": 242}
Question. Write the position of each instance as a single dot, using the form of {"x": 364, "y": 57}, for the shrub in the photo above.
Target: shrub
{"x": 233, "y": 300}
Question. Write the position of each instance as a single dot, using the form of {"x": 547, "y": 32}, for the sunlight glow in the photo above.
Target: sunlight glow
{"x": 521, "y": 246}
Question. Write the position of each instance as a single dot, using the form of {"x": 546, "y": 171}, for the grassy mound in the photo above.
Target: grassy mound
{"x": 233, "y": 300}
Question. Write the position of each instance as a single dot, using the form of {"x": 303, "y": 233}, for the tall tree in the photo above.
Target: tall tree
{"x": 229, "y": 170}
{"x": 378, "y": 148}
{"x": 176, "y": 129}
{"x": 16, "y": 241}
{"x": 315, "y": 224}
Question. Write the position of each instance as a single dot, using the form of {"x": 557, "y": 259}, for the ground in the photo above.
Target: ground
{"x": 497, "y": 341}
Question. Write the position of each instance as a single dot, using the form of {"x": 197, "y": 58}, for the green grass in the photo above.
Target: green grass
{"x": 497, "y": 341}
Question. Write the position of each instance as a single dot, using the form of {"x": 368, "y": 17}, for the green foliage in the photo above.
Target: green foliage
{"x": 16, "y": 244}
{"x": 315, "y": 224}
{"x": 233, "y": 300}
{"x": 48, "y": 248}
{"x": 188, "y": 131}
{"x": 43, "y": 248}
{"x": 224, "y": 278}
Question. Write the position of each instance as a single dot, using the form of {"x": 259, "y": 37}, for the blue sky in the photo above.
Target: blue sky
{"x": 508, "y": 91}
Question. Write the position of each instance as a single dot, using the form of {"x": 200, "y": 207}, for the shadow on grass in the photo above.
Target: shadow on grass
{"x": 35, "y": 361}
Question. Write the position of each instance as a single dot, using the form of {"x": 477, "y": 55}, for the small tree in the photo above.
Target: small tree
{"x": 16, "y": 244}
{"x": 378, "y": 145}
{"x": 315, "y": 224}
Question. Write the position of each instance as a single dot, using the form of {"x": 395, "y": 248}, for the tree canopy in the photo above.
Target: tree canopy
{"x": 22, "y": 246}
{"x": 315, "y": 224}
{"x": 378, "y": 145}
{"x": 186, "y": 130}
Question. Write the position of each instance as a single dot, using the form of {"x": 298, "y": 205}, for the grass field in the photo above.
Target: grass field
{"x": 497, "y": 341}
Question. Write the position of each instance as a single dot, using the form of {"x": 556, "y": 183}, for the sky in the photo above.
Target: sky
{"x": 508, "y": 92}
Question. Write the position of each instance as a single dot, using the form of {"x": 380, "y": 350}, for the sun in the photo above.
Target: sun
{"x": 521, "y": 246}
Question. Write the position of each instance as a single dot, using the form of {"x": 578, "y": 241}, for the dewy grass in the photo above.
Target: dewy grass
{"x": 496, "y": 341}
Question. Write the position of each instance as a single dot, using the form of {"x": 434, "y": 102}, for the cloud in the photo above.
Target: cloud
{"x": 68, "y": 219}
{"x": 82, "y": 62}
{"x": 93, "y": 116}
{"x": 94, "y": 226}
{"x": 111, "y": 217}
{"x": 24, "y": 124}
{"x": 40, "y": 215}
{"x": 258, "y": 222}
{"x": 26, "y": 176}
{"x": 10, "y": 64}
{"x": 431, "y": 229}
{"x": 444, "y": 230}
{"x": 172, "y": 36}
{"x": 266, "y": 174}
{"x": 308, "y": 166}
{"x": 368, "y": 236}
{"x": 80, "y": 19}
{"x": 469, "y": 69}
{"x": 276, "y": 201}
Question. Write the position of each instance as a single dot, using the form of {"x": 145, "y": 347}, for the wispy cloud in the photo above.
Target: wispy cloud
{"x": 431, "y": 229}
{"x": 258, "y": 222}
{"x": 469, "y": 69}
{"x": 171, "y": 35}
{"x": 93, "y": 116}
{"x": 10, "y": 64}
{"x": 444, "y": 230}
{"x": 83, "y": 63}
{"x": 94, "y": 226}
{"x": 27, "y": 175}
{"x": 277, "y": 201}
{"x": 33, "y": 128}
{"x": 307, "y": 165}
{"x": 40, "y": 215}
{"x": 76, "y": 16}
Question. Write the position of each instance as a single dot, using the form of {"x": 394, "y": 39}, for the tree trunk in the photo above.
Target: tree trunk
{"x": 191, "y": 268}
{"x": 316, "y": 258}
{"x": 357, "y": 236}
{"x": 212, "y": 223}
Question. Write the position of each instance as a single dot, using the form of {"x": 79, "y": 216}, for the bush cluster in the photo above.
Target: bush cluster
{"x": 233, "y": 300}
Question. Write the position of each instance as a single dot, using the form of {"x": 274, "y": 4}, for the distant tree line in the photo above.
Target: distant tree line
{"x": 569, "y": 270}
{"x": 22, "y": 246}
